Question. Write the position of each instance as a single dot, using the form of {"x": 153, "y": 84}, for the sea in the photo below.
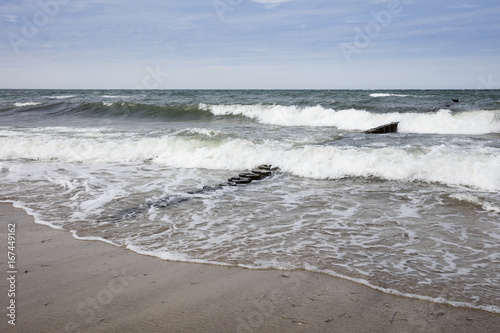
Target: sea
{"x": 414, "y": 213}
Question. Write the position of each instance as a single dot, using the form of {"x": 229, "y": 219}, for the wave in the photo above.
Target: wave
{"x": 471, "y": 198}
{"x": 116, "y": 96}
{"x": 111, "y": 109}
{"x": 61, "y": 97}
{"x": 386, "y": 95}
{"x": 196, "y": 148}
{"x": 23, "y": 104}
{"x": 441, "y": 122}
{"x": 108, "y": 109}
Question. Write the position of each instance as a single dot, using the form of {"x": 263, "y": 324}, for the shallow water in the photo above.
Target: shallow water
{"x": 413, "y": 213}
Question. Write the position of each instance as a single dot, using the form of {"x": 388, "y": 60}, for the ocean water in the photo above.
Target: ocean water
{"x": 414, "y": 213}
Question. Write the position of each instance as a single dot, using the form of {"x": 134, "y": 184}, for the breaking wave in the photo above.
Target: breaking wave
{"x": 198, "y": 148}
{"x": 441, "y": 122}
{"x": 386, "y": 95}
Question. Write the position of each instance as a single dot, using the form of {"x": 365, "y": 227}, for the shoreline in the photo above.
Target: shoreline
{"x": 67, "y": 285}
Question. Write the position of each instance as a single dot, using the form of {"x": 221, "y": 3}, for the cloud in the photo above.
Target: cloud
{"x": 109, "y": 43}
{"x": 465, "y": 6}
{"x": 384, "y": 1}
{"x": 10, "y": 18}
{"x": 269, "y": 2}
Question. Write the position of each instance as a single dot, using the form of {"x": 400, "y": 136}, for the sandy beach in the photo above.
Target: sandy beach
{"x": 68, "y": 285}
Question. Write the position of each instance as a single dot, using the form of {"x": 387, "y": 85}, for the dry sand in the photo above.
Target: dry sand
{"x": 67, "y": 285}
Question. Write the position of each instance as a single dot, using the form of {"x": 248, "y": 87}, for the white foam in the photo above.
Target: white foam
{"x": 91, "y": 238}
{"x": 22, "y": 104}
{"x": 201, "y": 131}
{"x": 438, "y": 164}
{"x": 170, "y": 256}
{"x": 217, "y": 235}
{"x": 32, "y": 213}
{"x": 468, "y": 197}
{"x": 443, "y": 164}
{"x": 447, "y": 122}
{"x": 95, "y": 205}
{"x": 386, "y": 95}
{"x": 61, "y": 97}
{"x": 441, "y": 122}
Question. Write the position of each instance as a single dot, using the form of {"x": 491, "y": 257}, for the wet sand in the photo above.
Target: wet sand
{"x": 68, "y": 285}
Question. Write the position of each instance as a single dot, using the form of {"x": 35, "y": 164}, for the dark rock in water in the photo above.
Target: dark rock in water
{"x": 239, "y": 180}
{"x": 227, "y": 184}
{"x": 130, "y": 213}
{"x": 251, "y": 175}
{"x": 197, "y": 191}
{"x": 388, "y": 128}
{"x": 211, "y": 188}
{"x": 267, "y": 167}
{"x": 168, "y": 201}
{"x": 262, "y": 173}
{"x": 455, "y": 100}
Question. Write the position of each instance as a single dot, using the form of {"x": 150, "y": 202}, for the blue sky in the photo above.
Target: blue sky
{"x": 256, "y": 44}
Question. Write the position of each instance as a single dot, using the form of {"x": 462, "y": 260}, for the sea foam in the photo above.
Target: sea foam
{"x": 387, "y": 95}
{"x": 440, "y": 122}
{"x": 23, "y": 104}
{"x": 444, "y": 164}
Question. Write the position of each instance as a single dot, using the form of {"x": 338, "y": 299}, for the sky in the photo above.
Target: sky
{"x": 249, "y": 44}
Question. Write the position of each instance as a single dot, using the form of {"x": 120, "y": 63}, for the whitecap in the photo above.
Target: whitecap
{"x": 61, "y": 97}
{"x": 441, "y": 122}
{"x": 386, "y": 95}
{"x": 22, "y": 104}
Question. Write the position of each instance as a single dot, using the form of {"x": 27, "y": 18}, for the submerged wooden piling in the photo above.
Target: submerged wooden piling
{"x": 388, "y": 128}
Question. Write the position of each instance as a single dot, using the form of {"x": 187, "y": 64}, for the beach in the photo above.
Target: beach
{"x": 68, "y": 285}
{"x": 250, "y": 166}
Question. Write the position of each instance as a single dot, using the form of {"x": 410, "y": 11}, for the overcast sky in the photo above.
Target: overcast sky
{"x": 259, "y": 44}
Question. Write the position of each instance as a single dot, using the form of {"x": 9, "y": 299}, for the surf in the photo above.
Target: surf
{"x": 440, "y": 122}
{"x": 202, "y": 148}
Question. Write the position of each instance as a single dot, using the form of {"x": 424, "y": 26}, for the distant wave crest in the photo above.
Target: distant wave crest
{"x": 23, "y": 104}
{"x": 386, "y": 95}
